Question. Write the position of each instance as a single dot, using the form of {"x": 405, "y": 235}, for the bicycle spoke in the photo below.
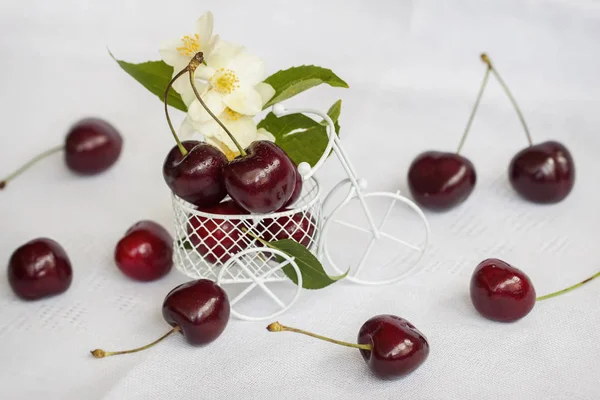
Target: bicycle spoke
{"x": 261, "y": 284}
{"x": 402, "y": 242}
{"x": 349, "y": 225}
{"x": 373, "y": 239}
{"x": 242, "y": 294}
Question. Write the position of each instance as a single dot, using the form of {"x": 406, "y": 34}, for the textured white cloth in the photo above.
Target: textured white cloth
{"x": 413, "y": 69}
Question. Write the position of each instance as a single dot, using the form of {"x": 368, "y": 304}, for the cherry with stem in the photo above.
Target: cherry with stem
{"x": 542, "y": 173}
{"x": 442, "y": 180}
{"x": 503, "y": 293}
{"x": 390, "y": 345}
{"x": 199, "y": 310}
{"x": 91, "y": 146}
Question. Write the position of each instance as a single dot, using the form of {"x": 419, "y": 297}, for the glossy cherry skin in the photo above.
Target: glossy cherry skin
{"x": 297, "y": 190}
{"x": 145, "y": 253}
{"x": 398, "y": 348}
{"x": 200, "y": 308}
{"x": 299, "y": 227}
{"x": 217, "y": 240}
{"x": 39, "y": 268}
{"x": 501, "y": 292}
{"x": 543, "y": 173}
{"x": 198, "y": 177}
{"x": 92, "y": 146}
{"x": 262, "y": 181}
{"x": 440, "y": 181}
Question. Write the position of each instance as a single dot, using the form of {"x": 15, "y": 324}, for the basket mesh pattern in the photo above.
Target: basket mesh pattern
{"x": 206, "y": 242}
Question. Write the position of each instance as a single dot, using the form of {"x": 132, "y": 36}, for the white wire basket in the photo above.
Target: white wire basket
{"x": 209, "y": 241}
{"x": 219, "y": 247}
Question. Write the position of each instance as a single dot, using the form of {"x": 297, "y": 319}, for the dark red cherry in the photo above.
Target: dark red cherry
{"x": 199, "y": 308}
{"x": 216, "y": 239}
{"x": 196, "y": 177}
{"x": 543, "y": 173}
{"x": 391, "y": 346}
{"x": 145, "y": 253}
{"x": 297, "y": 190}
{"x": 299, "y": 227}
{"x": 263, "y": 180}
{"x": 39, "y": 268}
{"x": 439, "y": 181}
{"x": 501, "y": 292}
{"x": 398, "y": 348}
{"x": 92, "y": 146}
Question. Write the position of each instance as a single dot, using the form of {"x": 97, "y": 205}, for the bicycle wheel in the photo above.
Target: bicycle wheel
{"x": 254, "y": 268}
{"x": 385, "y": 257}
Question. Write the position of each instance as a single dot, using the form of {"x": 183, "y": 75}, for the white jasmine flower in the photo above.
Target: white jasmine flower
{"x": 232, "y": 78}
{"x": 178, "y": 52}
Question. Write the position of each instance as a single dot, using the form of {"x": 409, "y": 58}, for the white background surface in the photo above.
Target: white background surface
{"x": 413, "y": 69}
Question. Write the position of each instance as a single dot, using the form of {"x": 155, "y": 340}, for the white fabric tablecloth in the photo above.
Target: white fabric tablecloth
{"x": 414, "y": 71}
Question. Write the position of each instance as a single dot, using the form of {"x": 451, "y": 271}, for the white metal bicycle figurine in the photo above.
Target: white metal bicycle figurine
{"x": 246, "y": 263}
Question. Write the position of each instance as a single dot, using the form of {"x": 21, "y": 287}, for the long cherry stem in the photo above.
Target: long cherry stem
{"x": 548, "y": 296}
{"x": 99, "y": 353}
{"x": 31, "y": 162}
{"x": 277, "y": 327}
{"x": 237, "y": 144}
{"x": 486, "y": 59}
{"x": 475, "y": 106}
{"x": 181, "y": 148}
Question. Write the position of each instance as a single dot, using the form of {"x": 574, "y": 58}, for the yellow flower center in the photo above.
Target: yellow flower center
{"x": 231, "y": 115}
{"x": 224, "y": 81}
{"x": 191, "y": 45}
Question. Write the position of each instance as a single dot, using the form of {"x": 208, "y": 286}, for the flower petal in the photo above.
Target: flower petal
{"x": 243, "y": 129}
{"x": 229, "y": 153}
{"x": 204, "y": 72}
{"x": 184, "y": 88}
{"x": 213, "y": 100}
{"x": 263, "y": 134}
{"x": 223, "y": 54}
{"x": 266, "y": 92}
{"x": 171, "y": 56}
{"x": 209, "y": 47}
{"x": 187, "y": 129}
{"x": 244, "y": 100}
{"x": 250, "y": 69}
{"x": 204, "y": 29}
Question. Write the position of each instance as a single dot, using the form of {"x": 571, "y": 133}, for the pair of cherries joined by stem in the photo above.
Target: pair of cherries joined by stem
{"x": 501, "y": 292}
{"x": 542, "y": 173}
{"x": 262, "y": 179}
{"x": 92, "y": 145}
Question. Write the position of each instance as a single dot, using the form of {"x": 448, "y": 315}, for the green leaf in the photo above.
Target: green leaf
{"x": 154, "y": 76}
{"x": 301, "y": 137}
{"x": 313, "y": 274}
{"x": 288, "y": 83}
